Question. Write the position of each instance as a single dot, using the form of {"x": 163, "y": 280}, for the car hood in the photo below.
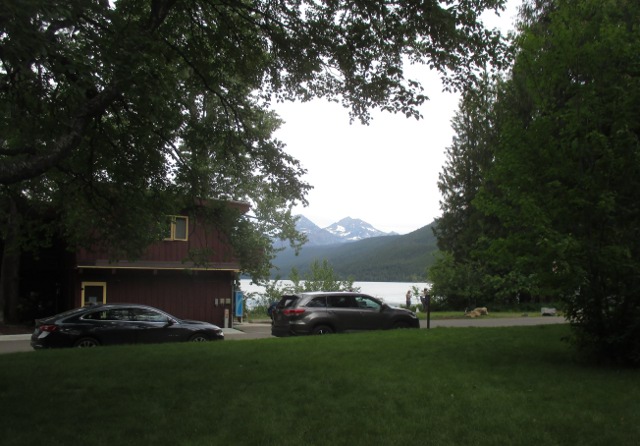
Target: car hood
{"x": 403, "y": 310}
{"x": 191, "y": 322}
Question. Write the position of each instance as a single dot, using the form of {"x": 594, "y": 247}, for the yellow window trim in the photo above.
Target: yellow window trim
{"x": 104, "y": 291}
{"x": 172, "y": 221}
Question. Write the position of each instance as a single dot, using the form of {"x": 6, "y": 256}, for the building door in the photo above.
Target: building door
{"x": 94, "y": 293}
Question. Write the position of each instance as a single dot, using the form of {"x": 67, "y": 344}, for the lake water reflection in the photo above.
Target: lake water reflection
{"x": 390, "y": 292}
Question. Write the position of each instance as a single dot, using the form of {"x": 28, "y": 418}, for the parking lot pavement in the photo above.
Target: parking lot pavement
{"x": 18, "y": 337}
{"x": 15, "y": 343}
{"x": 248, "y": 330}
{"x": 20, "y": 343}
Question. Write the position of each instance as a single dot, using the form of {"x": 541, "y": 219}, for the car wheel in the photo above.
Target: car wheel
{"x": 86, "y": 343}
{"x": 322, "y": 330}
{"x": 198, "y": 337}
{"x": 401, "y": 324}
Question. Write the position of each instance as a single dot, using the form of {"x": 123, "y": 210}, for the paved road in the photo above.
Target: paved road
{"x": 496, "y": 322}
{"x": 15, "y": 343}
{"x": 20, "y": 343}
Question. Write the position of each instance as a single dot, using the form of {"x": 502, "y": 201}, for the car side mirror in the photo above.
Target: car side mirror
{"x": 384, "y": 307}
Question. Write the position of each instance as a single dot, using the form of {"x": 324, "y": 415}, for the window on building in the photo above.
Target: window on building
{"x": 178, "y": 228}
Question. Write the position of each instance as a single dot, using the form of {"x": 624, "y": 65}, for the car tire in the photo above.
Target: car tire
{"x": 322, "y": 330}
{"x": 86, "y": 343}
{"x": 199, "y": 337}
{"x": 401, "y": 324}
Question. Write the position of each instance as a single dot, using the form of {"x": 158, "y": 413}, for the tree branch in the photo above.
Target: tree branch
{"x": 17, "y": 170}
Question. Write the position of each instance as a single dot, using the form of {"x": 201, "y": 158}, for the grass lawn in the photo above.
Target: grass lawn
{"x": 445, "y": 386}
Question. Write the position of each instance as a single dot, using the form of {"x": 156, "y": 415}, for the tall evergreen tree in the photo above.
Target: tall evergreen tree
{"x": 456, "y": 274}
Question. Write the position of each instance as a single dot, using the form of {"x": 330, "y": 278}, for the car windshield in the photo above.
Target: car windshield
{"x": 367, "y": 302}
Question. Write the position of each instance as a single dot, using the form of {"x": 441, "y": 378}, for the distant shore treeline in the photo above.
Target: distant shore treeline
{"x": 393, "y": 258}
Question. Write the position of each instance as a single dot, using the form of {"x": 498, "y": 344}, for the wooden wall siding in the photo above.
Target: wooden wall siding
{"x": 186, "y": 296}
{"x": 175, "y": 250}
{"x": 167, "y": 251}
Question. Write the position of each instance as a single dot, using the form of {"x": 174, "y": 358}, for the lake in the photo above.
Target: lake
{"x": 389, "y": 292}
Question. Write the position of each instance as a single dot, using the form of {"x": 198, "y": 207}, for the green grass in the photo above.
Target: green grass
{"x": 446, "y": 386}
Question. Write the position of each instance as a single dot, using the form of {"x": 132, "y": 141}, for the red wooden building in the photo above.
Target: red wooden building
{"x": 162, "y": 277}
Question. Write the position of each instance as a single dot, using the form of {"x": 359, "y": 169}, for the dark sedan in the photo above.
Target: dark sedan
{"x": 118, "y": 324}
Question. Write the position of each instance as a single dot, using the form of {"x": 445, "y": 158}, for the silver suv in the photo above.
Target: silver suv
{"x": 322, "y": 312}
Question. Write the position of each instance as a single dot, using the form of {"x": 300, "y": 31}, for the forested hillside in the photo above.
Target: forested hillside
{"x": 396, "y": 258}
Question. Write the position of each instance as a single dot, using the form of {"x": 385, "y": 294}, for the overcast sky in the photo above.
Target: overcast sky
{"x": 385, "y": 173}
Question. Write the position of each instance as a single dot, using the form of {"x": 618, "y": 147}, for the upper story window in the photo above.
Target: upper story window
{"x": 178, "y": 228}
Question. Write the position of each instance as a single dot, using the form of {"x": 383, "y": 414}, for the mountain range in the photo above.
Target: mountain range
{"x": 355, "y": 249}
{"x": 344, "y": 231}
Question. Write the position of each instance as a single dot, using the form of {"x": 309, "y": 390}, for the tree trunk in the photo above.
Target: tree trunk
{"x": 10, "y": 267}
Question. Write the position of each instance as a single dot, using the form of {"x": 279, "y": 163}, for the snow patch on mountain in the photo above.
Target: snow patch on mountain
{"x": 346, "y": 230}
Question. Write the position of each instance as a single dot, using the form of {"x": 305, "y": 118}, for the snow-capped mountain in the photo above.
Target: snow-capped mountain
{"x": 346, "y": 230}
{"x": 353, "y": 229}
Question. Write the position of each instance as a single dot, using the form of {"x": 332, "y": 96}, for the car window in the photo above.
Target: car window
{"x": 148, "y": 315}
{"x": 367, "y": 302}
{"x": 114, "y": 314}
{"x": 119, "y": 314}
{"x": 96, "y": 316}
{"x": 340, "y": 302}
{"x": 317, "y": 302}
{"x": 287, "y": 301}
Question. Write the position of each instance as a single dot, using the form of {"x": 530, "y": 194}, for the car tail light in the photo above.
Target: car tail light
{"x": 48, "y": 327}
{"x": 293, "y": 311}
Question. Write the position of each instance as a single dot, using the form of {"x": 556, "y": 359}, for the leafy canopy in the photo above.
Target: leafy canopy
{"x": 111, "y": 106}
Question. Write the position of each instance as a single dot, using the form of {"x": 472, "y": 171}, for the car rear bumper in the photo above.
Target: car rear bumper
{"x": 290, "y": 330}
{"x": 280, "y": 331}
{"x": 39, "y": 344}
{"x": 41, "y": 340}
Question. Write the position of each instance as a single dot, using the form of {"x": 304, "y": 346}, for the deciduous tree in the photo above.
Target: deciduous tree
{"x": 565, "y": 183}
{"x": 114, "y": 106}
